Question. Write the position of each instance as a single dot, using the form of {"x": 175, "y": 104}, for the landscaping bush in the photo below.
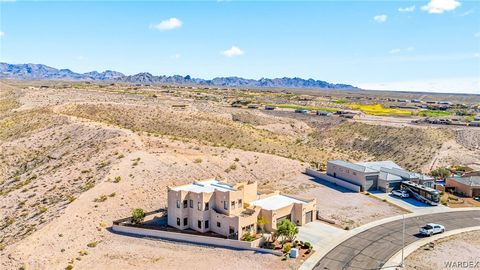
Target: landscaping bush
{"x": 137, "y": 215}
{"x": 307, "y": 245}
{"x": 248, "y": 237}
{"x": 287, "y": 248}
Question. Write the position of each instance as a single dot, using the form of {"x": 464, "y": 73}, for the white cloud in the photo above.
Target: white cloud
{"x": 176, "y": 56}
{"x": 2, "y": 34}
{"x": 476, "y": 55}
{"x": 407, "y": 9}
{"x": 169, "y": 24}
{"x": 477, "y": 34}
{"x": 380, "y": 18}
{"x": 440, "y": 6}
{"x": 399, "y": 50}
{"x": 233, "y": 51}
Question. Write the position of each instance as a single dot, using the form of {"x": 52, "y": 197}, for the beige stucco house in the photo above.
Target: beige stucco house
{"x": 232, "y": 210}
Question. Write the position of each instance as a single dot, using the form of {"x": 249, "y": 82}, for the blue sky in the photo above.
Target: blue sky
{"x": 400, "y": 45}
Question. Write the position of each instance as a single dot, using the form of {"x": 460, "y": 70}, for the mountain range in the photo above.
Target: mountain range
{"x": 43, "y": 72}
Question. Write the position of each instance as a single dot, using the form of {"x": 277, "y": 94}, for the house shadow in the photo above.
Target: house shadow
{"x": 412, "y": 201}
{"x": 328, "y": 184}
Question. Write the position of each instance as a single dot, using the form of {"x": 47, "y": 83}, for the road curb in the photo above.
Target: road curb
{"x": 396, "y": 259}
{"x": 320, "y": 253}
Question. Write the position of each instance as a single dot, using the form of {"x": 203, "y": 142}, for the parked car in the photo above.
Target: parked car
{"x": 431, "y": 229}
{"x": 477, "y": 198}
{"x": 401, "y": 193}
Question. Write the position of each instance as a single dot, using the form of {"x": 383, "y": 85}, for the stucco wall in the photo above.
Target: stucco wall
{"x": 333, "y": 180}
{"x": 459, "y": 187}
{"x": 196, "y": 239}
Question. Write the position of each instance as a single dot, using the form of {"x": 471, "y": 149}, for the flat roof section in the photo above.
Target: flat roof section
{"x": 205, "y": 186}
{"x": 275, "y": 202}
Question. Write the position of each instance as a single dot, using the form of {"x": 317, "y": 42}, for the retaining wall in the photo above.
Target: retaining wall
{"x": 333, "y": 180}
{"x": 196, "y": 239}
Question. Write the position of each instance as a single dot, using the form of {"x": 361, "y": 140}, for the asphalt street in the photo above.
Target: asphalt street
{"x": 370, "y": 249}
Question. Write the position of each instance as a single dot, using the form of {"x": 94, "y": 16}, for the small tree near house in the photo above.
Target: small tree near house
{"x": 137, "y": 215}
{"x": 288, "y": 230}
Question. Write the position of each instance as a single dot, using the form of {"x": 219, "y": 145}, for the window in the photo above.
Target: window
{"x": 206, "y": 224}
{"x": 178, "y": 204}
{"x": 218, "y": 224}
{"x": 199, "y": 224}
{"x": 185, "y": 221}
{"x": 233, "y": 204}
{"x": 199, "y": 205}
{"x": 185, "y": 204}
{"x": 178, "y": 221}
{"x": 225, "y": 205}
{"x": 239, "y": 202}
{"x": 206, "y": 206}
{"x": 191, "y": 203}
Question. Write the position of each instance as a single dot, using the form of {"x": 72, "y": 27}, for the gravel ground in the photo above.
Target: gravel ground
{"x": 463, "y": 248}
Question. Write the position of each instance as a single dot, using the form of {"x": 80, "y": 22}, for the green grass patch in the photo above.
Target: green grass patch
{"x": 310, "y": 108}
{"x": 433, "y": 113}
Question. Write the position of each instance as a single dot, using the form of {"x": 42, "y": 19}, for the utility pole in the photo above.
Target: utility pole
{"x": 402, "y": 264}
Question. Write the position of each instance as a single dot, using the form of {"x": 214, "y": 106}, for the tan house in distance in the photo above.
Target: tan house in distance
{"x": 232, "y": 210}
{"x": 467, "y": 186}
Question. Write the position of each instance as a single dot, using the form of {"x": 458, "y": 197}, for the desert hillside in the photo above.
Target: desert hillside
{"x": 74, "y": 157}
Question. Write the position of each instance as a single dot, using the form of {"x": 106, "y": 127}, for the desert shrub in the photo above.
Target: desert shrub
{"x": 197, "y": 160}
{"x": 307, "y": 245}
{"x": 71, "y": 198}
{"x": 92, "y": 244}
{"x": 102, "y": 198}
{"x": 137, "y": 215}
{"x": 117, "y": 179}
{"x": 69, "y": 267}
{"x": 248, "y": 237}
{"x": 286, "y": 248}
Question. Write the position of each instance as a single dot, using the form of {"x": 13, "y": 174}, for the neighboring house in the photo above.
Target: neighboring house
{"x": 324, "y": 113}
{"x": 232, "y": 210}
{"x": 376, "y": 175}
{"x": 466, "y": 186}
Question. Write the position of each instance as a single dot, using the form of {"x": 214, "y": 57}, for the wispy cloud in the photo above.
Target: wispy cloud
{"x": 477, "y": 34}
{"x": 407, "y": 9}
{"x": 380, "y": 18}
{"x": 468, "y": 12}
{"x": 2, "y": 34}
{"x": 233, "y": 51}
{"x": 399, "y": 50}
{"x": 168, "y": 24}
{"x": 176, "y": 56}
{"x": 440, "y": 6}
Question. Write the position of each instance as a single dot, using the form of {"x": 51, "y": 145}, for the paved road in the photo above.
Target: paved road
{"x": 372, "y": 248}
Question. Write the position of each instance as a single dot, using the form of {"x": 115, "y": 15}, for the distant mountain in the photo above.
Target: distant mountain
{"x": 43, "y": 72}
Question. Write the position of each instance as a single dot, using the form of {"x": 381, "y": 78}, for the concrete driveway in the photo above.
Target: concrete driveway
{"x": 410, "y": 204}
{"x": 318, "y": 233}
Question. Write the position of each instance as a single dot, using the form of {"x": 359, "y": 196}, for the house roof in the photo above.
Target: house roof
{"x": 389, "y": 176}
{"x": 353, "y": 166}
{"x": 469, "y": 181}
{"x": 205, "y": 186}
{"x": 275, "y": 202}
{"x": 377, "y": 165}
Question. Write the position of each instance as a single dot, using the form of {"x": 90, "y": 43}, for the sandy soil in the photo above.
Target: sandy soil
{"x": 54, "y": 165}
{"x": 463, "y": 247}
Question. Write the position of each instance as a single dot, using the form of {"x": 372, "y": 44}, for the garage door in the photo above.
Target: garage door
{"x": 371, "y": 185}
{"x": 309, "y": 217}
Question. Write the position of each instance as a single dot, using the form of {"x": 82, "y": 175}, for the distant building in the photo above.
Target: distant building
{"x": 377, "y": 175}
{"x": 466, "y": 186}
{"x": 270, "y": 108}
{"x": 324, "y": 113}
{"x": 233, "y": 210}
{"x": 300, "y": 110}
{"x": 253, "y": 106}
